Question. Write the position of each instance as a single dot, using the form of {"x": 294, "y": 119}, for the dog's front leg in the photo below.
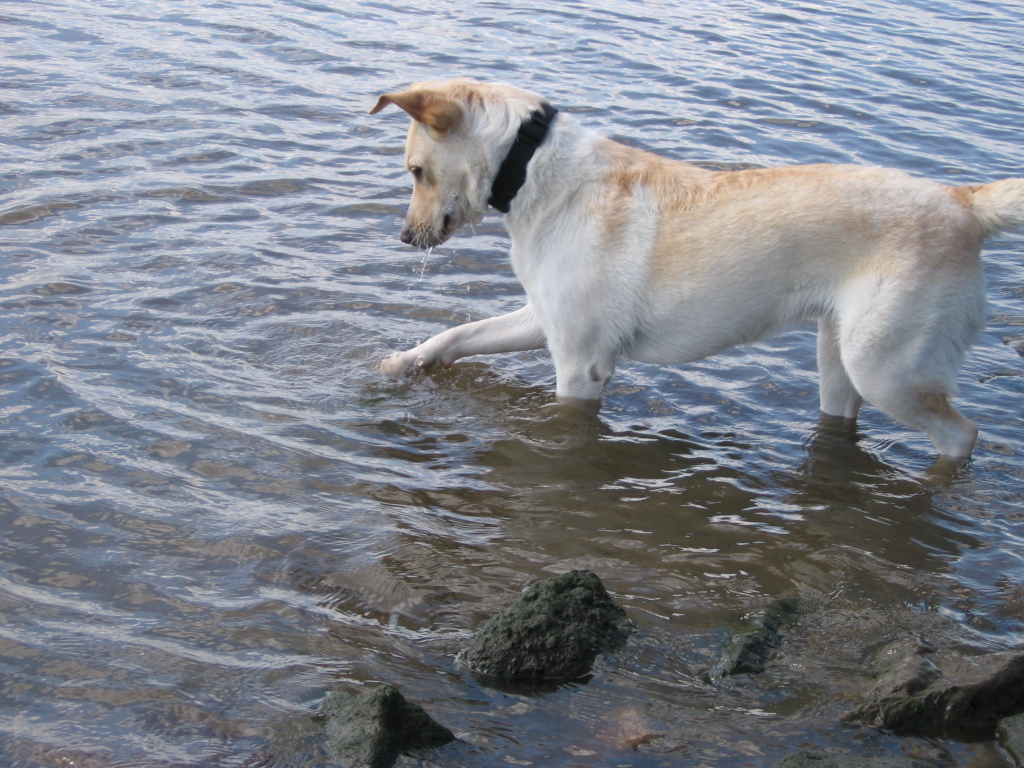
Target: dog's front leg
{"x": 514, "y": 332}
{"x": 582, "y": 373}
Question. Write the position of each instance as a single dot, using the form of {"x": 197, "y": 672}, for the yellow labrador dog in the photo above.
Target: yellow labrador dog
{"x": 623, "y": 252}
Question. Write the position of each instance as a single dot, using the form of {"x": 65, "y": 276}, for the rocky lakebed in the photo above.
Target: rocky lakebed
{"x": 559, "y": 627}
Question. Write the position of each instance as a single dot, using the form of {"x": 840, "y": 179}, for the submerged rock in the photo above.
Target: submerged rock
{"x": 745, "y": 654}
{"x": 748, "y": 651}
{"x": 828, "y": 760}
{"x": 554, "y": 632}
{"x": 371, "y": 729}
{"x": 922, "y": 692}
{"x": 1017, "y": 342}
{"x": 1010, "y": 733}
{"x": 905, "y": 666}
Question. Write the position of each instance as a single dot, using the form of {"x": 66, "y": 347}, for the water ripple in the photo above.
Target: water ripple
{"x": 215, "y": 508}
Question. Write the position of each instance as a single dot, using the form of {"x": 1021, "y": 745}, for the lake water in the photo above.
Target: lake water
{"x": 214, "y": 509}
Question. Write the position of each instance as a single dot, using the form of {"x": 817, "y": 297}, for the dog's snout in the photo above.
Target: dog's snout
{"x": 422, "y": 237}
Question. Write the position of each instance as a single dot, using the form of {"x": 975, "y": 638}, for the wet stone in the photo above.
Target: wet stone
{"x": 1010, "y": 734}
{"x": 554, "y": 632}
{"x": 1017, "y": 342}
{"x": 829, "y": 760}
{"x": 906, "y": 667}
{"x": 747, "y": 652}
{"x": 371, "y": 729}
{"x": 921, "y": 692}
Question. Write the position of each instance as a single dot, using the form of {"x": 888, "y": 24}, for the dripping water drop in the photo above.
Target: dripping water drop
{"x": 423, "y": 266}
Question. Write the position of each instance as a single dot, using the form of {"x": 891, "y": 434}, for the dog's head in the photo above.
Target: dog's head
{"x": 459, "y": 133}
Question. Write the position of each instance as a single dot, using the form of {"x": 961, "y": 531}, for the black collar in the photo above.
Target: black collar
{"x": 512, "y": 174}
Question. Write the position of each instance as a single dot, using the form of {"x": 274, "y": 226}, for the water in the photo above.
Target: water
{"x": 214, "y": 509}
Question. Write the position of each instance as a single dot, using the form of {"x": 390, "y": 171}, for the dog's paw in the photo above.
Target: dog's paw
{"x": 396, "y": 364}
{"x": 421, "y": 358}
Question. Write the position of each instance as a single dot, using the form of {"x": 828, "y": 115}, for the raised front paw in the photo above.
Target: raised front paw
{"x": 397, "y": 364}
{"x": 402, "y": 363}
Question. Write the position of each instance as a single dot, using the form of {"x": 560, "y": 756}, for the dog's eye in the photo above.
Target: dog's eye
{"x": 417, "y": 172}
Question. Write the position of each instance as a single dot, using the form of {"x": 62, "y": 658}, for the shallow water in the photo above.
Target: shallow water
{"x": 214, "y": 509}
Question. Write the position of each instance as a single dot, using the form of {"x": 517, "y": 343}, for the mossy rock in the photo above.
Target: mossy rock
{"x": 371, "y": 729}
{"x": 554, "y": 632}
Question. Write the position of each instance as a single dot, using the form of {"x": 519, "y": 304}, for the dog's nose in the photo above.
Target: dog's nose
{"x": 406, "y": 236}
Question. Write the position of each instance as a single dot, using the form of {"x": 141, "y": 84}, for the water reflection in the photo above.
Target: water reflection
{"x": 564, "y": 488}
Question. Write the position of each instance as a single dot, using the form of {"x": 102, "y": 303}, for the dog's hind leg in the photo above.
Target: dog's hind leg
{"x": 837, "y": 394}
{"x": 928, "y": 409}
{"x": 513, "y": 332}
{"x": 903, "y": 356}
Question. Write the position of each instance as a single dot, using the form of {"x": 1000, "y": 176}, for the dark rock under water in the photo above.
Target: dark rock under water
{"x": 1010, "y": 734}
{"x": 371, "y": 729}
{"x": 827, "y": 760}
{"x": 554, "y": 632}
{"x": 747, "y": 652}
{"x": 923, "y": 692}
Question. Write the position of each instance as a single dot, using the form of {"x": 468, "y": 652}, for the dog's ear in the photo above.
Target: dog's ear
{"x": 435, "y": 110}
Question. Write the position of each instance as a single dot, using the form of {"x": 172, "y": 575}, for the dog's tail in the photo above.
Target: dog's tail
{"x": 998, "y": 206}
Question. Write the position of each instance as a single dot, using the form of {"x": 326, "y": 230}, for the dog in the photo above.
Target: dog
{"x": 626, "y": 253}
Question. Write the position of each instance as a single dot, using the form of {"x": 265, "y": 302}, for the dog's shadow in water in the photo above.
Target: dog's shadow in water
{"x": 558, "y": 454}
{"x": 835, "y": 463}
{"x": 557, "y": 445}
{"x": 678, "y": 486}
{"x": 573, "y": 449}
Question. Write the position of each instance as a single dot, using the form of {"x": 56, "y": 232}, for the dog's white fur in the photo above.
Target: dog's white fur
{"x": 622, "y": 252}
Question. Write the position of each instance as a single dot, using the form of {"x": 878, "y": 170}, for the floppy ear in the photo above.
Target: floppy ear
{"x": 433, "y": 109}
